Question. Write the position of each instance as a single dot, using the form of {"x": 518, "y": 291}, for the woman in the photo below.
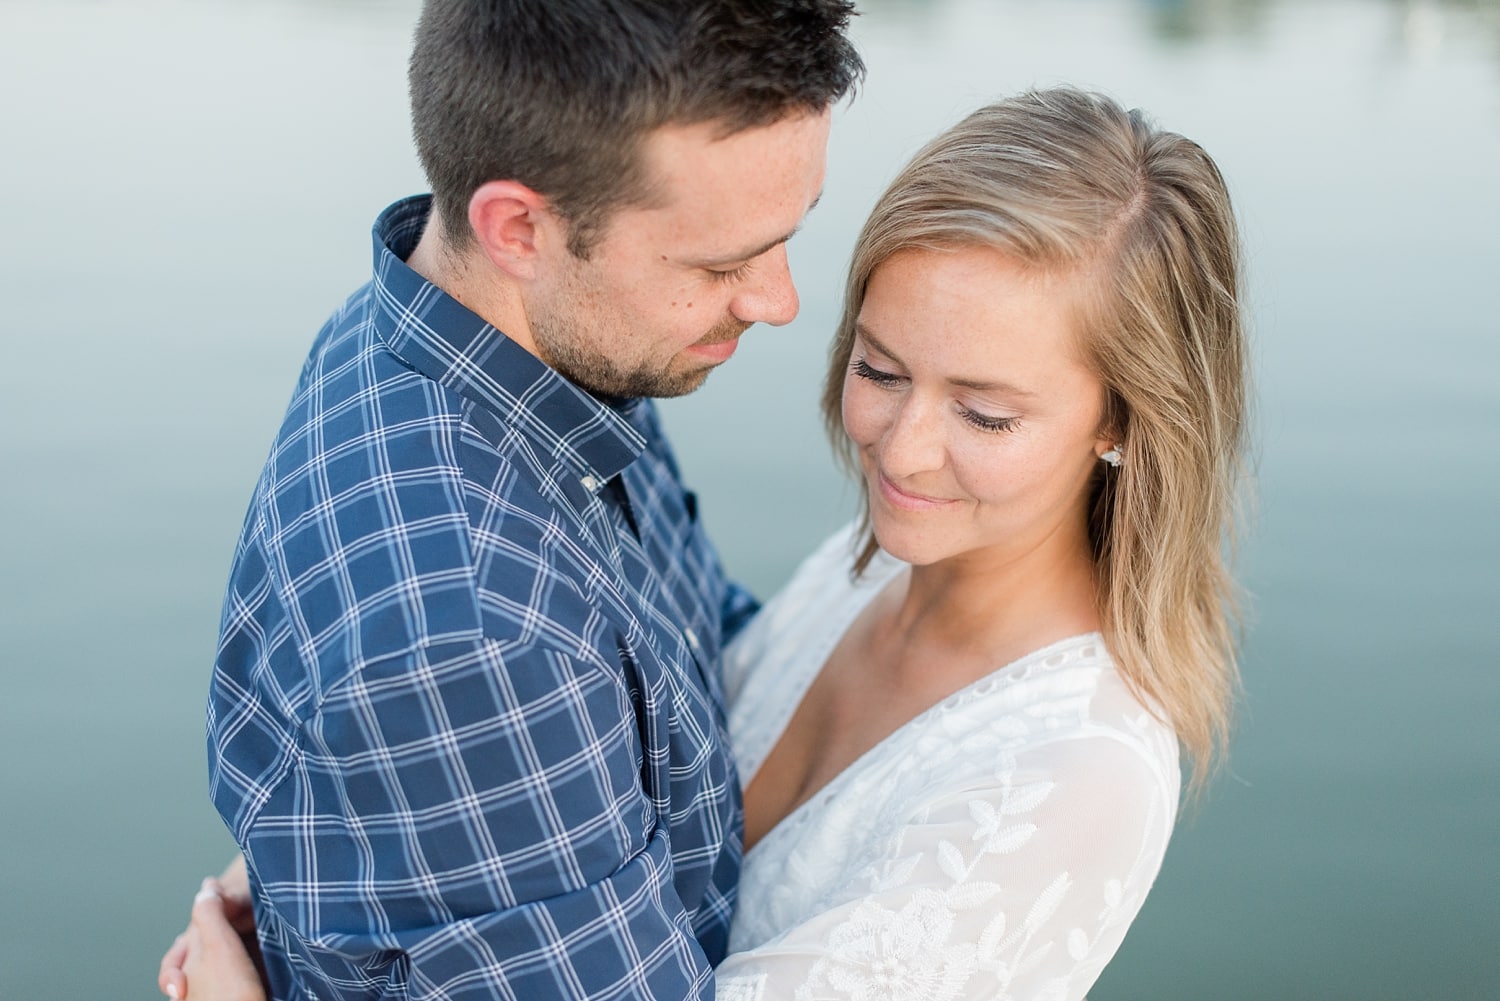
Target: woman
{"x": 959, "y": 724}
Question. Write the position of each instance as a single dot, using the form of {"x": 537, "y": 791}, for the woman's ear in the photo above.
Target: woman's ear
{"x": 1109, "y": 439}
{"x": 513, "y": 224}
{"x": 1111, "y": 453}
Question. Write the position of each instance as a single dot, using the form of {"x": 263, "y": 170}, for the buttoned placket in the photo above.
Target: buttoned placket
{"x": 614, "y": 495}
{"x": 615, "y": 488}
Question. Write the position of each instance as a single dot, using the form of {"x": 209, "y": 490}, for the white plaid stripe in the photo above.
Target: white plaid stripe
{"x": 468, "y": 727}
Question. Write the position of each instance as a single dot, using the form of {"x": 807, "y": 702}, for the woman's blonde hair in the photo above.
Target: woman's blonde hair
{"x": 1070, "y": 182}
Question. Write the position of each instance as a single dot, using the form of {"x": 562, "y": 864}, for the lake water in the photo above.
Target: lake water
{"x": 187, "y": 190}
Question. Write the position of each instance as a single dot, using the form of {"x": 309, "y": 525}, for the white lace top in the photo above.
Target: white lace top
{"x": 997, "y": 846}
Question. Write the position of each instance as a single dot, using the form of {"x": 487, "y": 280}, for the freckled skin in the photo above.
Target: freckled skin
{"x": 733, "y": 203}
{"x": 939, "y": 487}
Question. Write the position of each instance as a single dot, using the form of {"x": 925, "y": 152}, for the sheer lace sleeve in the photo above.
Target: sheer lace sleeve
{"x": 1022, "y": 889}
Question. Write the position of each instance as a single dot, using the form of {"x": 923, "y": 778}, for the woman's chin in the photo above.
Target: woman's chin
{"x": 907, "y": 547}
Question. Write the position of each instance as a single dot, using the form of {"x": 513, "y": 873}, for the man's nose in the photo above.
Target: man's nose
{"x": 769, "y": 297}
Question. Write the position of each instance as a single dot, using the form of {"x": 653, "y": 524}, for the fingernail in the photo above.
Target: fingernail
{"x": 172, "y": 992}
{"x": 206, "y": 890}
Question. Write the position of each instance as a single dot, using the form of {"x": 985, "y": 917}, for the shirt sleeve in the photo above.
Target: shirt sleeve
{"x": 738, "y": 608}
{"x": 470, "y": 822}
{"x": 1022, "y": 891}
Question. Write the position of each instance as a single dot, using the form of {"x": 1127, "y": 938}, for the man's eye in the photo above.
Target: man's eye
{"x": 733, "y": 274}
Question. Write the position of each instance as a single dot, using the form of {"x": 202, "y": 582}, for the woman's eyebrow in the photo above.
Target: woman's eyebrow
{"x": 988, "y": 386}
{"x": 981, "y": 385}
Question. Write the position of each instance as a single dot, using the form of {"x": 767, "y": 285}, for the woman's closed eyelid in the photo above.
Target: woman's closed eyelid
{"x": 862, "y": 368}
{"x": 977, "y": 419}
{"x": 987, "y": 422}
{"x": 878, "y": 364}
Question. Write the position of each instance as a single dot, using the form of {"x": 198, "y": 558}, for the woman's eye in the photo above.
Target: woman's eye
{"x": 864, "y": 370}
{"x": 984, "y": 422}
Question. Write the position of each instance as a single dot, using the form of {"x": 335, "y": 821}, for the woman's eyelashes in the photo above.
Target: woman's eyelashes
{"x": 980, "y": 421}
{"x": 865, "y": 370}
{"x": 986, "y": 423}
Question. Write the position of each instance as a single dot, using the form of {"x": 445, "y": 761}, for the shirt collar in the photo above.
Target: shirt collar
{"x": 453, "y": 346}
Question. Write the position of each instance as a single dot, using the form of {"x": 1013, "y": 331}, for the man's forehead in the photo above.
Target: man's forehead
{"x": 681, "y": 155}
{"x": 752, "y": 187}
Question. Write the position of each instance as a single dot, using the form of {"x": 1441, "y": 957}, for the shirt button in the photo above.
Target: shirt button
{"x": 691, "y": 637}
{"x": 590, "y": 483}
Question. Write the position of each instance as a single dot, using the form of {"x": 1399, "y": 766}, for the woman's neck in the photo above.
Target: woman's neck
{"x": 982, "y": 610}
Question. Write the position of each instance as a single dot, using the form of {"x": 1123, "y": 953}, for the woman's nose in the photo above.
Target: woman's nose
{"x": 914, "y": 442}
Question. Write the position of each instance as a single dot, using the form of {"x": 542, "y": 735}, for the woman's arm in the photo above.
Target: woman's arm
{"x": 1022, "y": 889}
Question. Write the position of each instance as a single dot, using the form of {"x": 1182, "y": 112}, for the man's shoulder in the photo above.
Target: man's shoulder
{"x": 392, "y": 513}
{"x": 361, "y": 423}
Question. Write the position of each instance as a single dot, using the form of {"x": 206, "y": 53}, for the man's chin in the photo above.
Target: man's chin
{"x": 680, "y": 380}
{"x": 673, "y": 384}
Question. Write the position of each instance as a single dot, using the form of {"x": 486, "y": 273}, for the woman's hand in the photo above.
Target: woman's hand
{"x": 212, "y": 961}
{"x": 216, "y": 956}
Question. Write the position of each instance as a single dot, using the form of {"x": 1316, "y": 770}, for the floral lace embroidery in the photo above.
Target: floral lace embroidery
{"x": 751, "y": 988}
{"x": 885, "y": 955}
{"x": 939, "y": 866}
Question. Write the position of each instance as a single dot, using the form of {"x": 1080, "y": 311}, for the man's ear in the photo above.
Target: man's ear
{"x": 513, "y": 224}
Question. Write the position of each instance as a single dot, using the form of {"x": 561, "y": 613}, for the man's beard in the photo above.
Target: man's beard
{"x": 605, "y": 376}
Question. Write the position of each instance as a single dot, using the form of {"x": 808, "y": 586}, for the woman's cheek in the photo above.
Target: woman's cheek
{"x": 863, "y": 410}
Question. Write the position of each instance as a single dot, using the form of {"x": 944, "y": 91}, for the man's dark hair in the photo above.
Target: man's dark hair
{"x": 559, "y": 94}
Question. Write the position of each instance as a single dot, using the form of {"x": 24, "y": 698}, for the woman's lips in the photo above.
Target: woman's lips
{"x": 906, "y": 500}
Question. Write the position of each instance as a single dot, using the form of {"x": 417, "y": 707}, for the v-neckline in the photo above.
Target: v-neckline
{"x": 818, "y": 660}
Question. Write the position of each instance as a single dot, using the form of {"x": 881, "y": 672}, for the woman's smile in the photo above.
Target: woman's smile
{"x": 909, "y": 500}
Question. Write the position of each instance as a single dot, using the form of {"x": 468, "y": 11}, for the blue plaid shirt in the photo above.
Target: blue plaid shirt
{"x": 465, "y": 720}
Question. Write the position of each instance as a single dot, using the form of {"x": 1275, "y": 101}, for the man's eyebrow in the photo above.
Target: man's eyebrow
{"x": 750, "y": 255}
{"x": 982, "y": 385}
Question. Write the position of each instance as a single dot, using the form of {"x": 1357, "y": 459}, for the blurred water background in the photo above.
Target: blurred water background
{"x": 187, "y": 189}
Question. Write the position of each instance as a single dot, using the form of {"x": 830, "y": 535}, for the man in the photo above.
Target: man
{"x": 465, "y": 722}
